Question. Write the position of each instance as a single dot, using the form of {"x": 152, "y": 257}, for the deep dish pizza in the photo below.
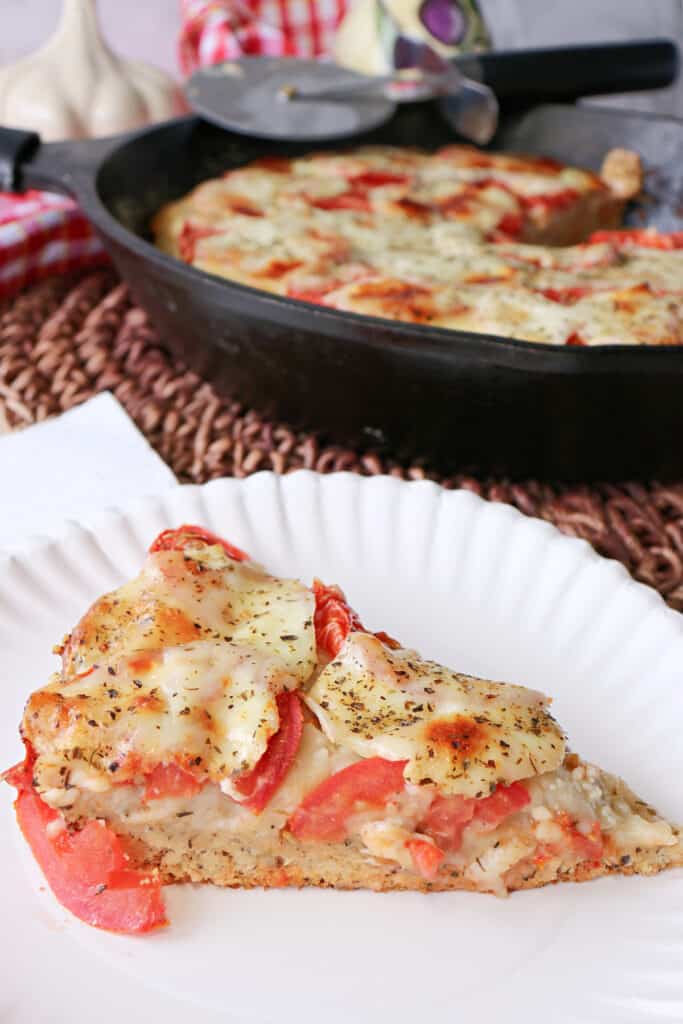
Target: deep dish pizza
{"x": 211, "y": 722}
{"x": 521, "y": 247}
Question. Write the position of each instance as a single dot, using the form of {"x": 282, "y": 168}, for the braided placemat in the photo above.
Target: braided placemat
{"x": 71, "y": 337}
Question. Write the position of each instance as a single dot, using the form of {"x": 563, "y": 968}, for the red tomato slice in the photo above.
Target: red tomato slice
{"x": 509, "y": 226}
{"x": 334, "y": 619}
{"x": 260, "y": 784}
{"x": 190, "y": 234}
{"x": 277, "y": 268}
{"x": 427, "y": 857}
{"x": 566, "y": 296}
{"x": 170, "y": 780}
{"x": 447, "y": 819}
{"x": 449, "y": 816}
{"x": 588, "y": 846}
{"x": 506, "y": 800}
{"x": 87, "y": 871}
{"x": 182, "y": 536}
{"x": 323, "y": 813}
{"x": 642, "y": 237}
{"x": 575, "y": 339}
{"x": 315, "y": 295}
{"x": 350, "y": 200}
{"x": 375, "y": 179}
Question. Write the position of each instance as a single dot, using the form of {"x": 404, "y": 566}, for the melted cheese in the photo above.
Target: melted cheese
{"x": 441, "y": 221}
{"x": 209, "y": 706}
{"x": 180, "y": 597}
{"x": 464, "y": 735}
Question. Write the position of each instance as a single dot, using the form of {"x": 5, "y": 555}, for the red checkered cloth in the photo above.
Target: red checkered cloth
{"x": 43, "y": 234}
{"x": 216, "y": 30}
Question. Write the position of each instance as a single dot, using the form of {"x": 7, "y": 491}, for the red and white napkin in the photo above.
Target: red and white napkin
{"x": 216, "y": 30}
{"x": 43, "y": 234}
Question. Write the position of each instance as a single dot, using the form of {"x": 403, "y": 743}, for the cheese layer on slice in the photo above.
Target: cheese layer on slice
{"x": 463, "y": 734}
{"x": 199, "y": 594}
{"x": 207, "y": 706}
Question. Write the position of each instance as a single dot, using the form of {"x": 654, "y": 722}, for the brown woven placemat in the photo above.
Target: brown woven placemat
{"x": 71, "y": 337}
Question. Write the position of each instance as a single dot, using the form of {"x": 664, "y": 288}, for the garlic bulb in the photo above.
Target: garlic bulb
{"x": 74, "y": 87}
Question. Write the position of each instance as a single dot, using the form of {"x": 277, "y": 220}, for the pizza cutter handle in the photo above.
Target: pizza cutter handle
{"x": 567, "y": 73}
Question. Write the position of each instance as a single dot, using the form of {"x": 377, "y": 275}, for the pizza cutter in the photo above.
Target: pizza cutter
{"x": 302, "y": 100}
{"x": 310, "y": 100}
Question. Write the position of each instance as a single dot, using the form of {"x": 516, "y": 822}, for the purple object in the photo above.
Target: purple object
{"x": 444, "y": 19}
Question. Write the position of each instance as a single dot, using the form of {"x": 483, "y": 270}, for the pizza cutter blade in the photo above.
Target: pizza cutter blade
{"x": 287, "y": 98}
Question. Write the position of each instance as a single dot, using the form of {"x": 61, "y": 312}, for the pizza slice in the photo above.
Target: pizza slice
{"x": 214, "y": 723}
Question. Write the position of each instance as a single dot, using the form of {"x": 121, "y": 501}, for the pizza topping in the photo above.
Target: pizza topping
{"x": 646, "y": 238}
{"x": 87, "y": 870}
{"x": 194, "y": 538}
{"x": 190, "y": 234}
{"x": 463, "y": 734}
{"x": 196, "y": 587}
{"x": 414, "y": 233}
{"x": 206, "y": 708}
{"x": 324, "y": 813}
{"x": 256, "y": 787}
{"x": 426, "y": 855}
{"x": 168, "y": 780}
{"x": 334, "y": 619}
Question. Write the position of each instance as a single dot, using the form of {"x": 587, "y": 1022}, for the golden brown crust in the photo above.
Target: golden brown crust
{"x": 622, "y": 172}
{"x": 180, "y": 851}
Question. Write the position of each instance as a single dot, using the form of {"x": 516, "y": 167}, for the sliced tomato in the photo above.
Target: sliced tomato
{"x": 351, "y": 200}
{"x": 334, "y": 619}
{"x": 323, "y": 813}
{"x": 427, "y": 858}
{"x": 447, "y": 819}
{"x": 509, "y": 226}
{"x": 183, "y": 536}
{"x": 260, "y": 784}
{"x": 449, "y": 816}
{"x": 190, "y": 234}
{"x": 277, "y": 268}
{"x": 565, "y": 296}
{"x": 643, "y": 237}
{"x": 240, "y": 204}
{"x": 170, "y": 780}
{"x": 375, "y": 179}
{"x": 588, "y": 846}
{"x": 315, "y": 295}
{"x": 575, "y": 339}
{"x": 87, "y": 871}
{"x": 506, "y": 800}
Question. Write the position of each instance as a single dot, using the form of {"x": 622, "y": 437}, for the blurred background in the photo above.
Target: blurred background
{"x": 147, "y": 30}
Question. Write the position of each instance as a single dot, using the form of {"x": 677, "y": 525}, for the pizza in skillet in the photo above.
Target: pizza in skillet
{"x": 518, "y": 246}
{"x": 213, "y": 723}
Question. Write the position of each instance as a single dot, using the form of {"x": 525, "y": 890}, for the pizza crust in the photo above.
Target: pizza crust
{"x": 270, "y": 857}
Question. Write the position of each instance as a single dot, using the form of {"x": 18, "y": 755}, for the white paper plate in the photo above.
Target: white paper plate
{"x": 474, "y": 584}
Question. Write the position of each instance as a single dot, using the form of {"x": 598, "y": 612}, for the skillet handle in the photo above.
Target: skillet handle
{"x": 562, "y": 74}
{"x": 16, "y": 147}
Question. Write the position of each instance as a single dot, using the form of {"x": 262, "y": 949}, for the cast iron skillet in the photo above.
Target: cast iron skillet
{"x": 460, "y": 400}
